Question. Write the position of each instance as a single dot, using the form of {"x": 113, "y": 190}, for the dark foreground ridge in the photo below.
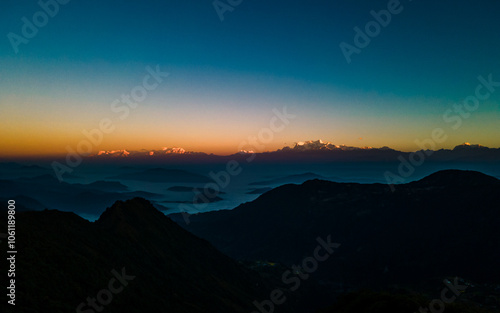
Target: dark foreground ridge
{"x": 445, "y": 225}
{"x": 155, "y": 265}
{"x": 400, "y": 244}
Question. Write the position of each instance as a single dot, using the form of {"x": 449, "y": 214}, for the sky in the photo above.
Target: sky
{"x": 232, "y": 63}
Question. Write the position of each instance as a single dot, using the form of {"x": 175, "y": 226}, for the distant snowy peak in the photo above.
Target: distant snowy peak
{"x": 160, "y": 152}
{"x": 246, "y": 152}
{"x": 173, "y": 150}
{"x": 114, "y": 153}
{"x": 320, "y": 145}
{"x": 314, "y": 145}
{"x": 468, "y": 146}
{"x": 301, "y": 146}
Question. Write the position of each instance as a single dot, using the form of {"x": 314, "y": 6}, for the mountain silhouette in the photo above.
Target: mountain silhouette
{"x": 455, "y": 178}
{"x": 314, "y": 150}
{"x": 66, "y": 259}
{"x": 443, "y": 225}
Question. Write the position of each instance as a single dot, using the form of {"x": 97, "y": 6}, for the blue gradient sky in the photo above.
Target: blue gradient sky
{"x": 227, "y": 76}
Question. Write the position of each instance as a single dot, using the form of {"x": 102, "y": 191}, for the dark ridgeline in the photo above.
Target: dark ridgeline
{"x": 45, "y": 191}
{"x": 63, "y": 259}
{"x": 399, "y": 244}
{"x": 444, "y": 225}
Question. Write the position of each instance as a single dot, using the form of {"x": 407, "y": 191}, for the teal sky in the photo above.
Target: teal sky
{"x": 227, "y": 76}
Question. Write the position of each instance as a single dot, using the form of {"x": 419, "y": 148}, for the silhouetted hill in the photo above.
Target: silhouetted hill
{"x": 63, "y": 259}
{"x": 454, "y": 178}
{"x": 443, "y": 225}
{"x": 83, "y": 198}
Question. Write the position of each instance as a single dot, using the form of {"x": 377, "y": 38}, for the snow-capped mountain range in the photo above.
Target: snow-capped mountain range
{"x": 317, "y": 147}
{"x": 159, "y": 152}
